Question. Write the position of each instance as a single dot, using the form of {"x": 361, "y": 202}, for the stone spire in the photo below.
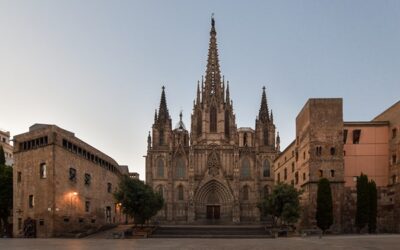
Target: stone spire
{"x": 198, "y": 93}
{"x": 163, "y": 114}
{"x": 227, "y": 101}
{"x": 213, "y": 74}
{"x": 149, "y": 141}
{"x": 263, "y": 114}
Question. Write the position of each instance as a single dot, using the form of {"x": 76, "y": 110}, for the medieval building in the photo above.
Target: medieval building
{"x": 215, "y": 172}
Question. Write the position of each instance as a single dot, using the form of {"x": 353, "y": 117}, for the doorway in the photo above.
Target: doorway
{"x": 213, "y": 212}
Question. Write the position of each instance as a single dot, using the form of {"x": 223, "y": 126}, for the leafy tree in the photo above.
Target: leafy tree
{"x": 324, "y": 215}
{"x": 283, "y": 204}
{"x": 6, "y": 191}
{"x": 362, "y": 201}
{"x": 373, "y": 205}
{"x": 2, "y": 156}
{"x": 138, "y": 199}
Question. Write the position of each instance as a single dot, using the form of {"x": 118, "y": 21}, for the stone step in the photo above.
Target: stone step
{"x": 211, "y": 232}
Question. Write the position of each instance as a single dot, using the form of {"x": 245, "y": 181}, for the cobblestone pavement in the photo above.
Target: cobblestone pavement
{"x": 330, "y": 242}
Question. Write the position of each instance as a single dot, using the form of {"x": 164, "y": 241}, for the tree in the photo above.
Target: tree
{"x": 138, "y": 199}
{"x": 324, "y": 215}
{"x": 362, "y": 202}
{"x": 373, "y": 205}
{"x": 283, "y": 204}
{"x": 6, "y": 191}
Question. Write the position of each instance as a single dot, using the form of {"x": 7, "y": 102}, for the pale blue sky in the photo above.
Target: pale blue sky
{"x": 96, "y": 67}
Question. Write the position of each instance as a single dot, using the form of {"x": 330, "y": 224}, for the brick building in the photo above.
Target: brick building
{"x": 62, "y": 183}
{"x": 7, "y": 147}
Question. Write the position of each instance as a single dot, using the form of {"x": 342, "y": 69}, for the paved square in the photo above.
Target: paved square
{"x": 310, "y": 243}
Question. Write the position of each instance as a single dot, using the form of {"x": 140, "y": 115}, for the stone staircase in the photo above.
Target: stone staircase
{"x": 211, "y": 231}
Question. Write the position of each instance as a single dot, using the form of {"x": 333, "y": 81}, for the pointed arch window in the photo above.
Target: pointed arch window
{"x": 245, "y": 168}
{"x": 213, "y": 119}
{"x": 160, "y": 168}
{"x": 266, "y": 169}
{"x": 180, "y": 168}
{"x": 265, "y": 191}
{"x": 180, "y": 193}
{"x": 161, "y": 137}
{"x": 160, "y": 190}
{"x": 199, "y": 123}
{"x": 245, "y": 194}
{"x": 227, "y": 130}
{"x": 266, "y": 137}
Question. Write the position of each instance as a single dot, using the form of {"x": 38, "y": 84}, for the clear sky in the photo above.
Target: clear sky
{"x": 96, "y": 67}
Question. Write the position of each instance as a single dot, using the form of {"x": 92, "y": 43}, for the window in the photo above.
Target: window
{"x": 199, "y": 121}
{"x": 88, "y": 179}
{"x": 266, "y": 169}
{"x": 161, "y": 137}
{"x": 279, "y": 177}
{"x": 320, "y": 173}
{"x": 265, "y": 191}
{"x": 304, "y": 176}
{"x": 19, "y": 176}
{"x": 180, "y": 168}
{"x": 160, "y": 190}
{"x": 333, "y": 151}
{"x": 43, "y": 171}
{"x": 296, "y": 177}
{"x": 72, "y": 174}
{"x": 213, "y": 119}
{"x": 332, "y": 173}
{"x": 19, "y": 223}
{"x": 304, "y": 155}
{"x": 227, "y": 130}
{"x": 292, "y": 167}
{"x": 245, "y": 168}
{"x": 160, "y": 168}
{"x": 356, "y": 136}
{"x": 394, "y": 159}
{"x": 31, "y": 201}
{"x": 265, "y": 134}
{"x": 245, "y": 139}
{"x": 180, "y": 193}
{"x": 394, "y": 133}
{"x": 109, "y": 187}
{"x": 246, "y": 193}
{"x": 318, "y": 151}
{"x": 87, "y": 206}
{"x": 394, "y": 179}
{"x": 285, "y": 174}
{"x": 41, "y": 222}
{"x": 345, "y": 136}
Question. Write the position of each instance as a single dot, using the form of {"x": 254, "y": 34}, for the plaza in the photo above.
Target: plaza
{"x": 389, "y": 241}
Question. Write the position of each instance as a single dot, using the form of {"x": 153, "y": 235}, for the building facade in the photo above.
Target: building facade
{"x": 327, "y": 147}
{"x": 216, "y": 172}
{"x": 62, "y": 184}
{"x": 7, "y": 147}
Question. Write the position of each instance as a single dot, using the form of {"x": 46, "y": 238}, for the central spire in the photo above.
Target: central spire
{"x": 213, "y": 74}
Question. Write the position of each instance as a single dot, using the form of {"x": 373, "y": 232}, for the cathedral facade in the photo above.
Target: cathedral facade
{"x": 216, "y": 172}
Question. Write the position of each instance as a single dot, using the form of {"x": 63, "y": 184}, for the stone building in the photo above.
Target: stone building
{"x": 7, "y": 147}
{"x": 326, "y": 146}
{"x": 215, "y": 172}
{"x": 62, "y": 184}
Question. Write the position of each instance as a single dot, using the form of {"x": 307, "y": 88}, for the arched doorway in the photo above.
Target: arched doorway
{"x": 213, "y": 203}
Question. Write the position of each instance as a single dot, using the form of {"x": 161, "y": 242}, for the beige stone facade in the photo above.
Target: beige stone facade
{"x": 62, "y": 183}
{"x": 216, "y": 173}
{"x": 7, "y": 147}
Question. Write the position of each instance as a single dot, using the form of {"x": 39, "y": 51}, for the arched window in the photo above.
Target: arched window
{"x": 227, "y": 130}
{"x": 161, "y": 137}
{"x": 199, "y": 123}
{"x": 245, "y": 193}
{"x": 160, "y": 190}
{"x": 266, "y": 137}
{"x": 245, "y": 139}
{"x": 265, "y": 191}
{"x": 266, "y": 169}
{"x": 180, "y": 193}
{"x": 180, "y": 168}
{"x": 160, "y": 168}
{"x": 213, "y": 119}
{"x": 245, "y": 168}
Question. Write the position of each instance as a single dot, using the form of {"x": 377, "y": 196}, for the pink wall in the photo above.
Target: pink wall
{"x": 370, "y": 156}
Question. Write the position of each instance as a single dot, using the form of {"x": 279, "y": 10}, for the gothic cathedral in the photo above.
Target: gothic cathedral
{"x": 216, "y": 173}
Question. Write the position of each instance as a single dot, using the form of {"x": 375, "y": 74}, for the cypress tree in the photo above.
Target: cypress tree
{"x": 324, "y": 215}
{"x": 373, "y": 206}
{"x": 362, "y": 202}
{"x": 2, "y": 157}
